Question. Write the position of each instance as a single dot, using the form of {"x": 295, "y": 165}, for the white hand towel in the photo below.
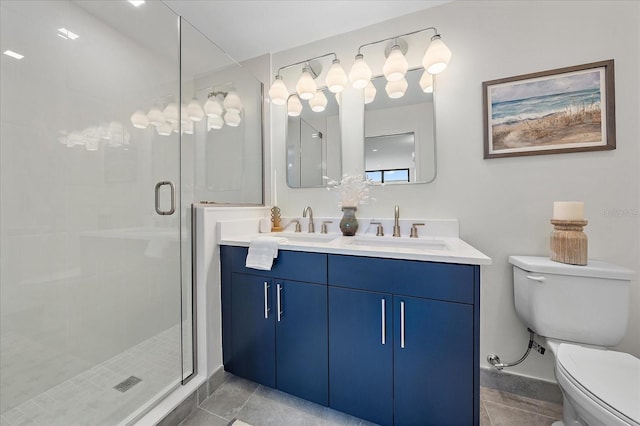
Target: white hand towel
{"x": 262, "y": 251}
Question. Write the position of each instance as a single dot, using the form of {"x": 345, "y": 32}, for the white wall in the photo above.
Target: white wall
{"x": 504, "y": 205}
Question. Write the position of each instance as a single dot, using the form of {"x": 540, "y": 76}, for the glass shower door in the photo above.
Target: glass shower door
{"x": 91, "y": 255}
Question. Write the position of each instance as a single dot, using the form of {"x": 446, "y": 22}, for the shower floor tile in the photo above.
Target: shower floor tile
{"x": 89, "y": 398}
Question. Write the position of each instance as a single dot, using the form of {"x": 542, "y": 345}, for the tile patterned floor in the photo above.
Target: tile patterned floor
{"x": 262, "y": 406}
{"x": 89, "y": 397}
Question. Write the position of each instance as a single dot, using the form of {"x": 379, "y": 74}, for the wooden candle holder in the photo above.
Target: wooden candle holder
{"x": 275, "y": 219}
{"x": 568, "y": 243}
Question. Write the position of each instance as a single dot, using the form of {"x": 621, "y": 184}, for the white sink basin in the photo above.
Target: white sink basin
{"x": 395, "y": 242}
{"x": 300, "y": 237}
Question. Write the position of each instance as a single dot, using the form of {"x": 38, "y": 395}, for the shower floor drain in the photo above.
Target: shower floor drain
{"x": 127, "y": 384}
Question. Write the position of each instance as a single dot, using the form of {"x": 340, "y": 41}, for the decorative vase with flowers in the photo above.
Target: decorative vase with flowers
{"x": 352, "y": 191}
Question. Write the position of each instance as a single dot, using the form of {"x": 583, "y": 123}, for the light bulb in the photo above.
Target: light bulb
{"x": 396, "y": 89}
{"x": 396, "y": 65}
{"x": 306, "y": 87}
{"x": 156, "y": 117}
{"x": 336, "y": 77}
{"x": 171, "y": 113}
{"x": 360, "y": 73}
{"x": 140, "y": 120}
{"x": 215, "y": 123}
{"x": 437, "y": 56}
{"x": 319, "y": 102}
{"x": 232, "y": 103}
{"x": 213, "y": 108}
{"x": 194, "y": 111}
{"x": 294, "y": 106}
{"x": 369, "y": 93}
{"x": 278, "y": 91}
{"x": 232, "y": 119}
{"x": 426, "y": 82}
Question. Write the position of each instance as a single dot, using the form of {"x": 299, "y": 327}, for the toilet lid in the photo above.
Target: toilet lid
{"x": 610, "y": 376}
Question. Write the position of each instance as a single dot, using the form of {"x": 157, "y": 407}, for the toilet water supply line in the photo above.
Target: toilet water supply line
{"x": 494, "y": 359}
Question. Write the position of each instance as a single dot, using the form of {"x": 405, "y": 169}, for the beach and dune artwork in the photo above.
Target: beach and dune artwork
{"x": 563, "y": 110}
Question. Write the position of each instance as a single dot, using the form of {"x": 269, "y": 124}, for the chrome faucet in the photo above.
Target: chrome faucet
{"x": 396, "y": 224}
{"x": 312, "y": 228}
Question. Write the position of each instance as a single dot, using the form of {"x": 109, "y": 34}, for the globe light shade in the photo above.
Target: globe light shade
{"x": 426, "y": 82}
{"x": 369, "y": 93}
{"x": 215, "y": 123}
{"x": 171, "y": 113}
{"x": 437, "y": 56}
{"x": 396, "y": 65}
{"x": 194, "y": 111}
{"x": 294, "y": 106}
{"x": 319, "y": 102}
{"x": 360, "y": 73}
{"x": 156, "y": 117}
{"x": 139, "y": 120}
{"x": 232, "y": 103}
{"x": 164, "y": 129}
{"x": 232, "y": 119}
{"x": 306, "y": 87}
{"x": 396, "y": 89}
{"x": 336, "y": 77}
{"x": 278, "y": 91}
{"x": 212, "y": 108}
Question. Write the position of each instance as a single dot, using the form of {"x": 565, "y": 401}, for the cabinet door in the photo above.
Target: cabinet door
{"x": 301, "y": 340}
{"x": 253, "y": 329}
{"x": 361, "y": 354}
{"x": 433, "y": 362}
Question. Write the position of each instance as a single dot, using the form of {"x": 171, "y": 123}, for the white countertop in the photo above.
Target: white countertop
{"x": 447, "y": 249}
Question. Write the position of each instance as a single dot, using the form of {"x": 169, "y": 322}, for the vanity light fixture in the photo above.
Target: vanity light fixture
{"x": 170, "y": 113}
{"x": 155, "y": 116}
{"x": 306, "y": 86}
{"x": 232, "y": 102}
{"x": 232, "y": 119}
{"x": 140, "y": 120}
{"x": 435, "y": 60}
{"x": 215, "y": 123}
{"x": 213, "y": 107}
{"x": 194, "y": 111}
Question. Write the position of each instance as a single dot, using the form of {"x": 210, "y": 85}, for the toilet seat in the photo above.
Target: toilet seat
{"x": 609, "y": 379}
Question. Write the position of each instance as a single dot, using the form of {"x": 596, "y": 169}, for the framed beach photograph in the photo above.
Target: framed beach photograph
{"x": 563, "y": 110}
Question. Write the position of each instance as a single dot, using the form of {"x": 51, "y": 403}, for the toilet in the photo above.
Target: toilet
{"x": 580, "y": 311}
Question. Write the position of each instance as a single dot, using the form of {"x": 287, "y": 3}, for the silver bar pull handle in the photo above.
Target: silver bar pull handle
{"x": 402, "y": 325}
{"x": 536, "y": 278}
{"x": 266, "y": 300}
{"x": 172, "y": 188}
{"x": 279, "y": 299}
{"x": 384, "y": 324}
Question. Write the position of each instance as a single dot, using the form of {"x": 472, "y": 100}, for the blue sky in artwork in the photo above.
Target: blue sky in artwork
{"x": 545, "y": 86}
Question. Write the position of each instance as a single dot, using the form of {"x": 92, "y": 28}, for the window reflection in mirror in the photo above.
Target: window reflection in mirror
{"x": 313, "y": 145}
{"x": 400, "y": 134}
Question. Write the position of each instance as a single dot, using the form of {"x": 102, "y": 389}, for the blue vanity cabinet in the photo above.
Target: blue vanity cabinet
{"x": 426, "y": 370}
{"x": 274, "y": 328}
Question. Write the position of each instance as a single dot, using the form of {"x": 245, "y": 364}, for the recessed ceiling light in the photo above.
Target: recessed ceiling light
{"x": 136, "y": 3}
{"x": 66, "y": 34}
{"x": 13, "y": 54}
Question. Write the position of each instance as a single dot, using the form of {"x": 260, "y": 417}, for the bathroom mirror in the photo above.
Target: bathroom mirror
{"x": 313, "y": 145}
{"x": 399, "y": 145}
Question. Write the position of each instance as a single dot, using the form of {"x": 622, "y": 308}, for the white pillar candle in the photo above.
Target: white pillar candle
{"x": 568, "y": 210}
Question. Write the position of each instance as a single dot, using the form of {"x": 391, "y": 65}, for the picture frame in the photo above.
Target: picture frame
{"x": 569, "y": 109}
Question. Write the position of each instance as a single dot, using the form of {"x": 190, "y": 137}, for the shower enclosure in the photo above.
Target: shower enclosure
{"x": 96, "y": 206}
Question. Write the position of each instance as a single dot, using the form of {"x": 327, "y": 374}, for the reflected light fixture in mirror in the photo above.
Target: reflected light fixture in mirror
{"x": 319, "y": 102}
{"x": 369, "y": 93}
{"x": 294, "y": 106}
{"x": 396, "y": 89}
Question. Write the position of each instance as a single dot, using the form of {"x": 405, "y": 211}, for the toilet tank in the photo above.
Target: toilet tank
{"x": 583, "y": 304}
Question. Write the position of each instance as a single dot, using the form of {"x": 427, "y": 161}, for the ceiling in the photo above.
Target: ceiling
{"x": 245, "y": 29}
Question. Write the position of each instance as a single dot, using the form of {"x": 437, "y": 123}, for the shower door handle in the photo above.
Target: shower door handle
{"x": 172, "y": 189}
